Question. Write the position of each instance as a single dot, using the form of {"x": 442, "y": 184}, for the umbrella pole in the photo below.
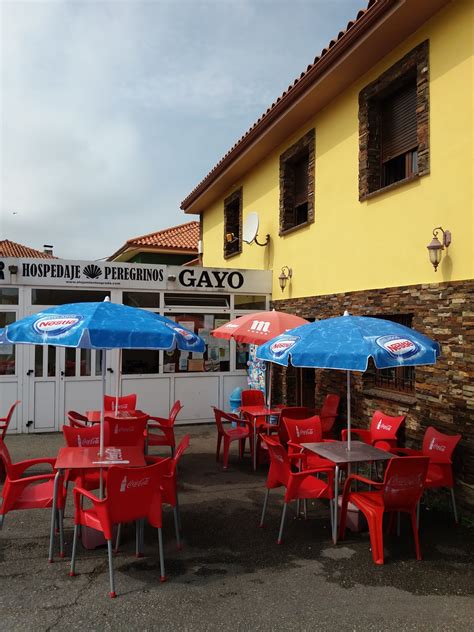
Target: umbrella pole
{"x": 102, "y": 416}
{"x": 269, "y": 395}
{"x": 119, "y": 375}
{"x": 348, "y": 410}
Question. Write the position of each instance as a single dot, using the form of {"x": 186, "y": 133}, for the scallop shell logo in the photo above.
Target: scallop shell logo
{"x": 92, "y": 271}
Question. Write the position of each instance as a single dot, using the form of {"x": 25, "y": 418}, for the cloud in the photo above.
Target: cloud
{"x": 113, "y": 111}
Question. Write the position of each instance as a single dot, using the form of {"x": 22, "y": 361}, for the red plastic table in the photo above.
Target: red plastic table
{"x": 88, "y": 458}
{"x": 254, "y": 412}
{"x": 338, "y": 453}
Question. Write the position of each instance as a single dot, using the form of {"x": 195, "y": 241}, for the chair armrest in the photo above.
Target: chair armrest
{"x": 406, "y": 452}
{"x": 359, "y": 432}
{"x": 296, "y": 446}
{"x": 17, "y": 469}
{"x": 160, "y": 421}
{"x": 31, "y": 479}
{"x": 362, "y": 479}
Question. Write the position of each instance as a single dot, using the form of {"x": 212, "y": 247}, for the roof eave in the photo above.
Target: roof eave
{"x": 355, "y": 51}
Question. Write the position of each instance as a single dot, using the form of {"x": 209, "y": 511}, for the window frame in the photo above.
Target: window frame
{"x": 404, "y": 377}
{"x": 414, "y": 64}
{"x": 229, "y": 249}
{"x": 304, "y": 148}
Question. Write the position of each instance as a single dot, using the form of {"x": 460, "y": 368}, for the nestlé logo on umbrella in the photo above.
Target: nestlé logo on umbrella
{"x": 190, "y": 338}
{"x": 282, "y": 345}
{"x": 398, "y": 346}
{"x": 54, "y": 325}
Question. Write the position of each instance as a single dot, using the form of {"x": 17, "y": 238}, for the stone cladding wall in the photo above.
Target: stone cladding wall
{"x": 444, "y": 393}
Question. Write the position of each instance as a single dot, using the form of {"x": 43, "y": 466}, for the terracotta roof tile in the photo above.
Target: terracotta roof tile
{"x": 281, "y": 99}
{"x": 182, "y": 237}
{"x": 12, "y": 249}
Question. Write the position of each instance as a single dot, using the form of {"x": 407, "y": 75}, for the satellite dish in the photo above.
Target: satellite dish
{"x": 250, "y": 228}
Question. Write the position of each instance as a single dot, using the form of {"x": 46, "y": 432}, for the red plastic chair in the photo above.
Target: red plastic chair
{"x": 133, "y": 494}
{"x": 126, "y": 402}
{"x": 382, "y": 428}
{"x": 439, "y": 448}
{"x": 400, "y": 491}
{"x": 30, "y": 492}
{"x": 128, "y": 431}
{"x": 239, "y": 433}
{"x": 76, "y": 420}
{"x": 328, "y": 414}
{"x": 298, "y": 485}
{"x": 5, "y": 421}
{"x": 165, "y": 429}
{"x": 307, "y": 431}
{"x": 169, "y": 485}
{"x": 290, "y": 412}
{"x": 254, "y": 397}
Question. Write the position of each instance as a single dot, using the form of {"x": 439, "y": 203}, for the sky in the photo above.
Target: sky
{"x": 112, "y": 111}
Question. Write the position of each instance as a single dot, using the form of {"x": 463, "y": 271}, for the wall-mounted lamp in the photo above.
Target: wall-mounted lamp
{"x": 285, "y": 276}
{"x": 435, "y": 247}
{"x": 13, "y": 269}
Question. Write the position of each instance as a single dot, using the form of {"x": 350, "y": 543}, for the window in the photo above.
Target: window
{"x": 216, "y": 356}
{"x": 297, "y": 184}
{"x": 399, "y": 141}
{"x": 141, "y": 299}
{"x": 61, "y": 297}
{"x": 393, "y": 124}
{"x": 400, "y": 379}
{"x": 7, "y": 352}
{"x": 233, "y": 224}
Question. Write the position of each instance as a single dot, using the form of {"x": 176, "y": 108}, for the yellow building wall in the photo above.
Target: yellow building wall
{"x": 380, "y": 242}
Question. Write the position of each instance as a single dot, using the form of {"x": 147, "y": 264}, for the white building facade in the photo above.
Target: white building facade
{"x": 49, "y": 381}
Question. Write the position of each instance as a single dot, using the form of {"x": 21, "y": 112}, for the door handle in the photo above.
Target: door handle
{"x": 30, "y": 372}
{"x": 62, "y": 374}
{"x": 110, "y": 370}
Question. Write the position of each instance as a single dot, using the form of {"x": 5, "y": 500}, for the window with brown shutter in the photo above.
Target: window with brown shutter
{"x": 233, "y": 224}
{"x": 394, "y": 124}
{"x": 297, "y": 184}
{"x": 399, "y": 140}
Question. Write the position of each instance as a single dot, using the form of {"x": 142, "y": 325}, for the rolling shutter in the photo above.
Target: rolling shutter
{"x": 399, "y": 122}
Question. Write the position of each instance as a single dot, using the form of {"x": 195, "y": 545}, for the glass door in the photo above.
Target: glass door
{"x": 43, "y": 385}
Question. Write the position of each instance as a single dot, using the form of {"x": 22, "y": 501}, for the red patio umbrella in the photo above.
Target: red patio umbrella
{"x": 257, "y": 328}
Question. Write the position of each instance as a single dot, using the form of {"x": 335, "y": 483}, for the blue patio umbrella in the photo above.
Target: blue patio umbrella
{"x": 346, "y": 343}
{"x": 101, "y": 326}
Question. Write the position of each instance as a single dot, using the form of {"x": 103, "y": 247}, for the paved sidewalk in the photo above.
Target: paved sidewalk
{"x": 230, "y": 574}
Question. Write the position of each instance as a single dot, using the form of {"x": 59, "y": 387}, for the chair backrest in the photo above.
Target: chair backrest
{"x": 134, "y": 492}
{"x": 384, "y": 427}
{"x": 5, "y": 457}
{"x": 291, "y": 412}
{"x": 182, "y": 447}
{"x": 126, "y": 402}
{"x": 304, "y": 430}
{"x": 83, "y": 437}
{"x": 220, "y": 415}
{"x": 328, "y": 412}
{"x": 404, "y": 482}
{"x": 280, "y": 470}
{"x": 128, "y": 431}
{"x": 76, "y": 420}
{"x": 253, "y": 397}
{"x": 5, "y": 421}
{"x": 174, "y": 412}
{"x": 438, "y": 446}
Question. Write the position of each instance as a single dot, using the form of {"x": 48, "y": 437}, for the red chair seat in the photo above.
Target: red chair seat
{"x": 436, "y": 476}
{"x": 40, "y": 495}
{"x": 312, "y": 487}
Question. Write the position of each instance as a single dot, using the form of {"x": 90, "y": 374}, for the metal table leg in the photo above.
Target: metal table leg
{"x": 336, "y": 499}
{"x": 59, "y": 473}
{"x": 254, "y": 445}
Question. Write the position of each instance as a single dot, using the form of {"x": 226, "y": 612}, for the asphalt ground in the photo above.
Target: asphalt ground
{"x": 230, "y": 574}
